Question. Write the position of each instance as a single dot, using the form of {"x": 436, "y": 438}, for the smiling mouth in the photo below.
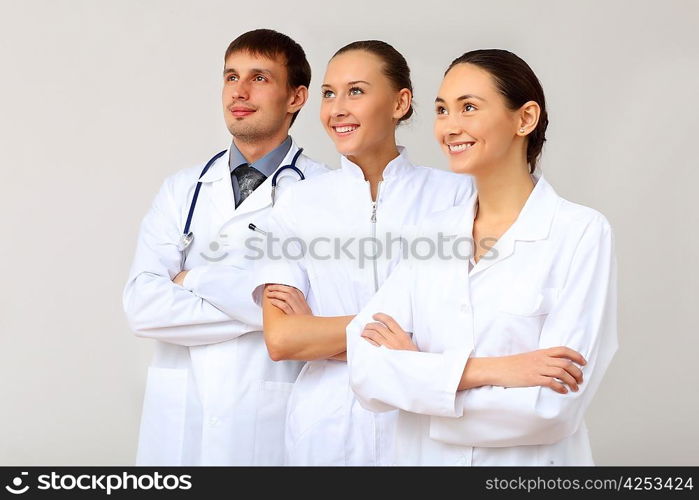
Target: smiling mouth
{"x": 239, "y": 112}
{"x": 460, "y": 147}
{"x": 345, "y": 130}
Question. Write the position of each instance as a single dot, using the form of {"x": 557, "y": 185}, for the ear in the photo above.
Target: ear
{"x": 528, "y": 118}
{"x": 297, "y": 99}
{"x": 403, "y": 102}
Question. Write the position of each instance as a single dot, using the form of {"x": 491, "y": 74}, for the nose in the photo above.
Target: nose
{"x": 452, "y": 125}
{"x": 240, "y": 91}
{"x": 446, "y": 127}
{"x": 338, "y": 108}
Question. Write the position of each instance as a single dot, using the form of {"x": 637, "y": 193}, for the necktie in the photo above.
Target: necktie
{"x": 248, "y": 179}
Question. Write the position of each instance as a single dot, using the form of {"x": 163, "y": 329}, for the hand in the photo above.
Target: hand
{"x": 541, "y": 368}
{"x": 339, "y": 357}
{"x": 389, "y": 333}
{"x": 179, "y": 279}
{"x": 288, "y": 299}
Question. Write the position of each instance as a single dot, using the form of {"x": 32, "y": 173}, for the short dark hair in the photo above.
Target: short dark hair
{"x": 518, "y": 84}
{"x": 272, "y": 45}
{"x": 395, "y": 67}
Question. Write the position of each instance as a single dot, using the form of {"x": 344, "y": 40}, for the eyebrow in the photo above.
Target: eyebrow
{"x": 461, "y": 98}
{"x": 355, "y": 82}
{"x": 227, "y": 71}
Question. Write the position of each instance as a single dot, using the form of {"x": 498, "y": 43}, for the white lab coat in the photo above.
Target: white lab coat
{"x": 213, "y": 396}
{"x": 325, "y": 424}
{"x": 552, "y": 283}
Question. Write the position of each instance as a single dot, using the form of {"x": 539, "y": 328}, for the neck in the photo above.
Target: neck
{"x": 259, "y": 147}
{"x": 374, "y": 162}
{"x": 503, "y": 191}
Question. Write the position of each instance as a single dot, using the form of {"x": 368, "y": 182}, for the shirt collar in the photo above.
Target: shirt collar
{"x": 396, "y": 166}
{"x": 267, "y": 164}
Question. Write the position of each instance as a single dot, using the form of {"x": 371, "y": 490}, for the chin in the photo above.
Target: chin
{"x": 344, "y": 149}
{"x": 461, "y": 167}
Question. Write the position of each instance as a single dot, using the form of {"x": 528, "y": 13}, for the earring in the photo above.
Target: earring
{"x": 521, "y": 131}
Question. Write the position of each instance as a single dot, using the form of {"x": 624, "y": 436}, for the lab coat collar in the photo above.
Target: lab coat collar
{"x": 397, "y": 166}
{"x": 533, "y": 223}
{"x": 260, "y": 198}
{"x": 218, "y": 169}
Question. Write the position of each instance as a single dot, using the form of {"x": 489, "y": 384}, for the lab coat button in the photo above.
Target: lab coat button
{"x": 465, "y": 308}
{"x": 213, "y": 421}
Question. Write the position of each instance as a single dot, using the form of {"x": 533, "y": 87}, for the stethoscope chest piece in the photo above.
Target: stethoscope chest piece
{"x": 185, "y": 241}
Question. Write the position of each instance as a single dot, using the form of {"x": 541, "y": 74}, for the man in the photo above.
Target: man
{"x": 213, "y": 396}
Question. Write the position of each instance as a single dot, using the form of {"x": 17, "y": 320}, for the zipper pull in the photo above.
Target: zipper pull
{"x": 373, "y": 211}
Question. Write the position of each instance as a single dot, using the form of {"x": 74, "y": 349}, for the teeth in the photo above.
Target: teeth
{"x": 349, "y": 128}
{"x": 460, "y": 147}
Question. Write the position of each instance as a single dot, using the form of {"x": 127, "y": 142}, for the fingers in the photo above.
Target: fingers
{"x": 283, "y": 301}
{"x": 565, "y": 352}
{"x": 568, "y": 366}
{"x": 373, "y": 336}
{"x": 380, "y": 331}
{"x": 387, "y": 320}
{"x": 292, "y": 296}
{"x": 562, "y": 375}
{"x": 288, "y": 291}
{"x": 285, "y": 296}
{"x": 282, "y": 288}
{"x": 393, "y": 339}
{"x": 279, "y": 295}
{"x": 552, "y": 384}
{"x": 280, "y": 304}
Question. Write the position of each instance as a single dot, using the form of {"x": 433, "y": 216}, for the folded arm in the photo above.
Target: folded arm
{"x": 158, "y": 308}
{"x": 299, "y": 336}
{"x": 507, "y": 401}
{"x": 583, "y": 319}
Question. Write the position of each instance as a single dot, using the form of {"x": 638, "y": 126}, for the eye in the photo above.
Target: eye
{"x": 232, "y": 78}
{"x": 260, "y": 78}
{"x": 469, "y": 107}
{"x": 326, "y": 94}
{"x": 355, "y": 91}
{"x": 440, "y": 110}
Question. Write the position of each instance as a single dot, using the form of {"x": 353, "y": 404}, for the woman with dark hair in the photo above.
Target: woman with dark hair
{"x": 507, "y": 344}
{"x": 339, "y": 237}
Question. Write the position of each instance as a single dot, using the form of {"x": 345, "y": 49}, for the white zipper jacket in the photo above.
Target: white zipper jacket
{"x": 341, "y": 228}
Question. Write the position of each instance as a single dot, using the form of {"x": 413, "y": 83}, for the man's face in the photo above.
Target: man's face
{"x": 256, "y": 97}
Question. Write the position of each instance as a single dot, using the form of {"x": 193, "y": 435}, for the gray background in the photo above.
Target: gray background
{"x": 99, "y": 101}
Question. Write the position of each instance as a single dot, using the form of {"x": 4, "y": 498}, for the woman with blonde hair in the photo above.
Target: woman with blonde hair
{"x": 336, "y": 233}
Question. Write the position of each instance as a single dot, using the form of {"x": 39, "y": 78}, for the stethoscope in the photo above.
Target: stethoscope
{"x": 187, "y": 235}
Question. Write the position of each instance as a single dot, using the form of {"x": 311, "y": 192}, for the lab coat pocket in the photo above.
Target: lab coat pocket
{"x": 163, "y": 421}
{"x": 528, "y": 302}
{"x": 270, "y": 422}
{"x": 520, "y": 320}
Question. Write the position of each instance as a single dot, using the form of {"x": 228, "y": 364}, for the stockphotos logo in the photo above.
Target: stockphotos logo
{"x": 16, "y": 488}
{"x": 102, "y": 482}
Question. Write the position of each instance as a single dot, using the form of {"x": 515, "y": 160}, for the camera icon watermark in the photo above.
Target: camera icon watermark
{"x": 17, "y": 488}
